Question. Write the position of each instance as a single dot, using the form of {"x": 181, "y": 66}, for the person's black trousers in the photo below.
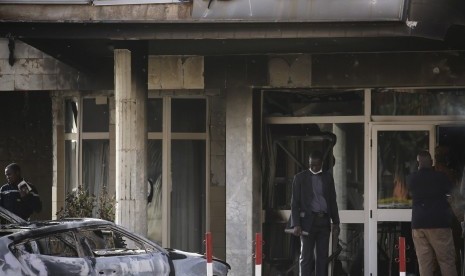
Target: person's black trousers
{"x": 316, "y": 241}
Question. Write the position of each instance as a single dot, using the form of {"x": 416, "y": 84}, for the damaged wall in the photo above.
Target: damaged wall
{"x": 416, "y": 69}
{"x": 35, "y": 70}
{"x": 175, "y": 72}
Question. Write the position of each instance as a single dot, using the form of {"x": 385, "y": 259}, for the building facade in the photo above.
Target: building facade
{"x": 208, "y": 109}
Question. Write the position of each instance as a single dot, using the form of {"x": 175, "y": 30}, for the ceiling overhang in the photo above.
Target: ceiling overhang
{"x": 89, "y": 46}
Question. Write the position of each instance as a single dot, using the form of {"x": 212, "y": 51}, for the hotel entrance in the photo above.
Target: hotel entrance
{"x": 370, "y": 150}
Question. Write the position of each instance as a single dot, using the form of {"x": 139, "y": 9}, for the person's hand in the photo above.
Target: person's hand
{"x": 297, "y": 231}
{"x": 336, "y": 229}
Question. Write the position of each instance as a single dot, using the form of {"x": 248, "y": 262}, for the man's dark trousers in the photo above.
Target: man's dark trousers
{"x": 318, "y": 239}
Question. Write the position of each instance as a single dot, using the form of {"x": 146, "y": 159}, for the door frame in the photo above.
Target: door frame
{"x": 376, "y": 215}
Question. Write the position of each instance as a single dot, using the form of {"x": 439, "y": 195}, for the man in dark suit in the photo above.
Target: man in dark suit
{"x": 313, "y": 208}
{"x": 431, "y": 218}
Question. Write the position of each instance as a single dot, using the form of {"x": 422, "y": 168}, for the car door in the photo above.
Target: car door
{"x": 117, "y": 252}
{"x": 53, "y": 254}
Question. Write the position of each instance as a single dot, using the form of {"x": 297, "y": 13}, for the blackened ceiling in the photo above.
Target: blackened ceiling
{"x": 89, "y": 46}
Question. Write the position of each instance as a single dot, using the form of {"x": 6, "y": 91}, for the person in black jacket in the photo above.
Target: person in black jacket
{"x": 19, "y": 196}
{"x": 431, "y": 218}
{"x": 313, "y": 207}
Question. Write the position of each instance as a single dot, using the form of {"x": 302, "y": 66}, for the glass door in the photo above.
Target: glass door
{"x": 393, "y": 157}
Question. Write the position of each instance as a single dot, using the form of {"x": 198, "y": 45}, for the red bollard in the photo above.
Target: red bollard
{"x": 258, "y": 254}
{"x": 402, "y": 257}
{"x": 209, "y": 253}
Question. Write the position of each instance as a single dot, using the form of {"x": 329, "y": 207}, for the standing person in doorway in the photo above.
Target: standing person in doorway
{"x": 313, "y": 208}
{"x": 431, "y": 218}
{"x": 19, "y": 196}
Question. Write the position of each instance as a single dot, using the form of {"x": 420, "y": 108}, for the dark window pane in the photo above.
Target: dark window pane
{"x": 188, "y": 195}
{"x": 418, "y": 102}
{"x": 95, "y": 116}
{"x": 95, "y": 166}
{"x": 154, "y": 115}
{"x": 188, "y": 115}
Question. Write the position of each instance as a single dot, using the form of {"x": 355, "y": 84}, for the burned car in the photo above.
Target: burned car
{"x": 91, "y": 247}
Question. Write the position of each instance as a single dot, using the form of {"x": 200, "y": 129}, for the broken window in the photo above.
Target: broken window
{"x": 57, "y": 244}
{"x": 109, "y": 242}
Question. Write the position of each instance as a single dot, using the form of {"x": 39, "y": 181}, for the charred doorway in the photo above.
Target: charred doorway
{"x": 295, "y": 123}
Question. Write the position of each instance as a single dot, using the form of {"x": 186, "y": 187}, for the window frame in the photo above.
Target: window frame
{"x": 167, "y": 136}
{"x": 80, "y": 136}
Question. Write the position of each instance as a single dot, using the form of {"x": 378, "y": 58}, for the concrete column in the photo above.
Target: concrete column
{"x": 58, "y": 185}
{"x": 131, "y": 139}
{"x": 112, "y": 152}
{"x": 239, "y": 181}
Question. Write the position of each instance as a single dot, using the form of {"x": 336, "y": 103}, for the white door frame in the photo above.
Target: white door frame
{"x": 376, "y": 214}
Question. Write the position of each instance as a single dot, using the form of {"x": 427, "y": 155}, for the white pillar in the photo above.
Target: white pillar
{"x": 239, "y": 182}
{"x": 130, "y": 140}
